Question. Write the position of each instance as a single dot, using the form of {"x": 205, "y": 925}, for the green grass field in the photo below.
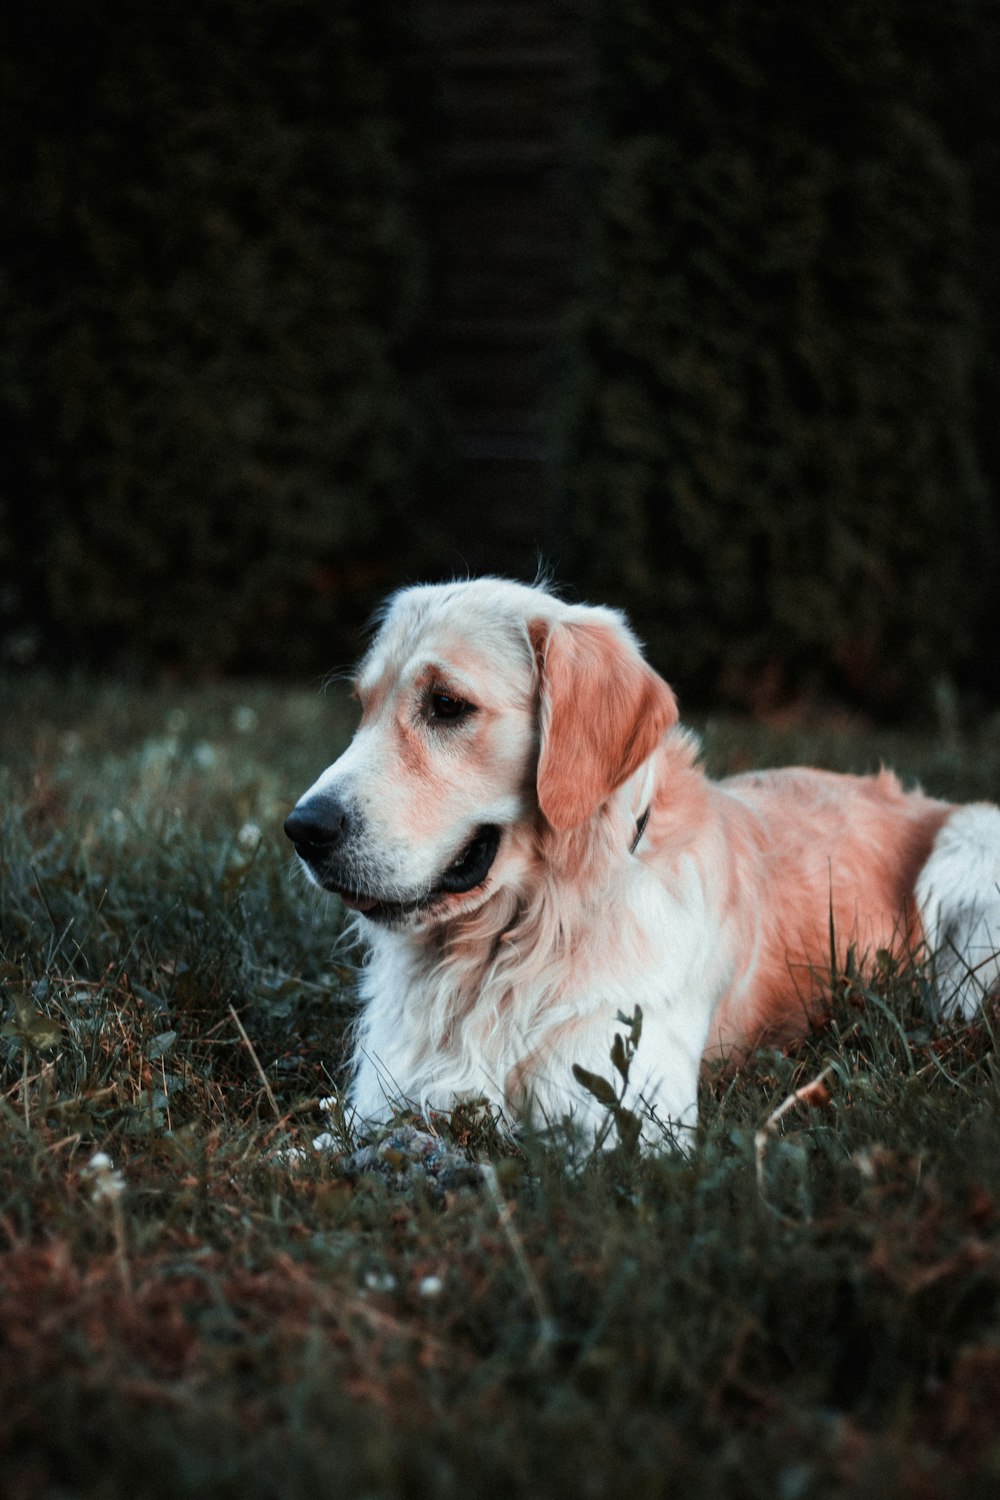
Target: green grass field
{"x": 805, "y": 1307}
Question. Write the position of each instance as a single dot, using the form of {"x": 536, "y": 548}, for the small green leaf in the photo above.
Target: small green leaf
{"x": 596, "y": 1085}
{"x": 619, "y": 1057}
{"x": 31, "y": 1028}
{"x": 629, "y": 1128}
{"x": 161, "y": 1045}
{"x": 634, "y": 1024}
{"x": 24, "y": 1006}
{"x": 45, "y": 1033}
{"x": 144, "y": 1121}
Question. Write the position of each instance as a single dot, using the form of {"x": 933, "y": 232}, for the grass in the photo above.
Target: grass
{"x": 808, "y": 1306}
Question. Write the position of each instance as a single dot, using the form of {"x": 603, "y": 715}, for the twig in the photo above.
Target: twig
{"x": 256, "y": 1060}
{"x": 814, "y": 1092}
{"x": 548, "y": 1329}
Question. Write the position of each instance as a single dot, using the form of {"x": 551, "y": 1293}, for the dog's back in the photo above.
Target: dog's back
{"x": 833, "y": 862}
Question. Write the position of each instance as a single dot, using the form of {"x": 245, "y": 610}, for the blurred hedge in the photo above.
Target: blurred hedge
{"x": 774, "y": 440}
{"x": 772, "y": 426}
{"x": 211, "y": 295}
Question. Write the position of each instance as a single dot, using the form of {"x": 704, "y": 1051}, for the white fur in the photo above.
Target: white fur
{"x": 958, "y": 893}
{"x": 549, "y": 988}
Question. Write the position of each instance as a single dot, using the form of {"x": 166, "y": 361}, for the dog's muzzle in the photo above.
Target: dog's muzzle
{"x": 321, "y": 829}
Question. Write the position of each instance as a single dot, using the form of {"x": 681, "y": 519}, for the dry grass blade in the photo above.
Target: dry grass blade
{"x": 813, "y": 1094}
{"x": 257, "y": 1064}
{"x": 548, "y": 1328}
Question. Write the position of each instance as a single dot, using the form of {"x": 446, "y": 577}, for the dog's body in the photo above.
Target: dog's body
{"x": 531, "y": 848}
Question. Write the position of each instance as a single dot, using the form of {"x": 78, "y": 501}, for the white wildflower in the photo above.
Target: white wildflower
{"x": 249, "y": 837}
{"x": 244, "y": 719}
{"x": 430, "y": 1286}
{"x": 380, "y": 1281}
{"x": 290, "y": 1156}
{"x": 106, "y": 1184}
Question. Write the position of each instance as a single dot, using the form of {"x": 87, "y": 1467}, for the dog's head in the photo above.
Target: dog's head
{"x": 492, "y": 715}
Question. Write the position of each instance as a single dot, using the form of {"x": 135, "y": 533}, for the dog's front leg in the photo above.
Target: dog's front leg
{"x": 374, "y": 1096}
{"x": 606, "y": 1092}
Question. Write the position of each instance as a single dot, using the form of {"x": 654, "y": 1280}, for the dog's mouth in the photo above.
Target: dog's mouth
{"x": 464, "y": 874}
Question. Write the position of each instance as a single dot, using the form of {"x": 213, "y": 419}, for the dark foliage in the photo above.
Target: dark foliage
{"x": 214, "y": 416}
{"x": 774, "y": 435}
{"x": 285, "y": 289}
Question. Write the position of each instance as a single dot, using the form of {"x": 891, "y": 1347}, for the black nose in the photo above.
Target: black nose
{"x": 318, "y": 825}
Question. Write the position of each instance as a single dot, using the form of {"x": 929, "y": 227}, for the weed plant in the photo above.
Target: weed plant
{"x": 195, "y": 1302}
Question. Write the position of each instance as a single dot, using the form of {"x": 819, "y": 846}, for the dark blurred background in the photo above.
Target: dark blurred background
{"x": 697, "y": 303}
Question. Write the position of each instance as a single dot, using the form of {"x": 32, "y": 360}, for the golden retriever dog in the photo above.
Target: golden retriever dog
{"x": 530, "y": 846}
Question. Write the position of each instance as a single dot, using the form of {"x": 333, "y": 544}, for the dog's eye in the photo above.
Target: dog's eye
{"x": 445, "y": 706}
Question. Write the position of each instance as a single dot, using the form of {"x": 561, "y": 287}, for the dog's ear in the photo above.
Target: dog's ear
{"x": 603, "y": 710}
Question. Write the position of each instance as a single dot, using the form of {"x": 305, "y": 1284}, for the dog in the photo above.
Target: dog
{"x": 530, "y": 848}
